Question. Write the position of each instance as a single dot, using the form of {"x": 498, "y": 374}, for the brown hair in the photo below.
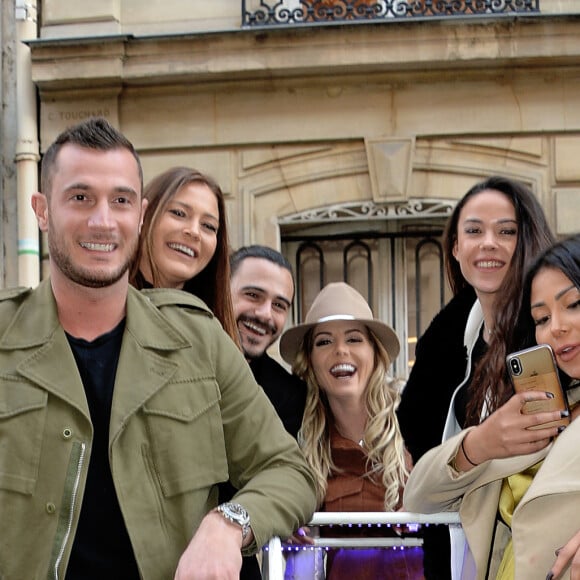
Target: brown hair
{"x": 490, "y": 386}
{"x": 95, "y": 133}
{"x": 212, "y": 284}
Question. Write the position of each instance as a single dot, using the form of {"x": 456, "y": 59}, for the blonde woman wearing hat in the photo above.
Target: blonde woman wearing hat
{"x": 350, "y": 434}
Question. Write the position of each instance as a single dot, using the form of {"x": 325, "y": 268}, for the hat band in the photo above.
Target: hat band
{"x": 336, "y": 317}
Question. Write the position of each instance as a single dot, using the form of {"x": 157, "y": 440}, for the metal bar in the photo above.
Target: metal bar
{"x": 334, "y": 518}
{"x": 366, "y": 543}
{"x": 273, "y": 563}
{"x": 367, "y": 235}
{"x": 274, "y": 560}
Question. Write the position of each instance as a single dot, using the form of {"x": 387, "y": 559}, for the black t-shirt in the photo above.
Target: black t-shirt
{"x": 101, "y": 547}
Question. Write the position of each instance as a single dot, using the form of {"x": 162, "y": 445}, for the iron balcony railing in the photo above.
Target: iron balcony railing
{"x": 299, "y": 12}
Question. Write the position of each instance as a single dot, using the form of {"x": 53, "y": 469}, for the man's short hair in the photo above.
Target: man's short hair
{"x": 257, "y": 251}
{"x": 94, "y": 133}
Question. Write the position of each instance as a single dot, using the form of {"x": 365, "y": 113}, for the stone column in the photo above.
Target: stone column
{"x": 8, "y": 133}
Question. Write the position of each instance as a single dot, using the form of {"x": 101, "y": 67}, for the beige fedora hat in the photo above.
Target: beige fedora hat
{"x": 338, "y": 301}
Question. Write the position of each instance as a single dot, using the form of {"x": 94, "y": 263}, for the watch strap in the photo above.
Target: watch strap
{"x": 236, "y": 514}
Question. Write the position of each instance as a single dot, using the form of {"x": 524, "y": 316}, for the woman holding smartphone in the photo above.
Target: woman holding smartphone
{"x": 553, "y": 287}
{"x": 516, "y": 482}
{"x": 495, "y": 230}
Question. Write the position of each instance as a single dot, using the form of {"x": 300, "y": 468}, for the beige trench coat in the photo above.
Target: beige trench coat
{"x": 546, "y": 518}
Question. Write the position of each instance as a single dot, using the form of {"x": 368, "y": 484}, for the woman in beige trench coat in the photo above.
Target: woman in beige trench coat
{"x": 539, "y": 469}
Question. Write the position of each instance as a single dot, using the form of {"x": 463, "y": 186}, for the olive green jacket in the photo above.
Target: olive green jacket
{"x": 186, "y": 414}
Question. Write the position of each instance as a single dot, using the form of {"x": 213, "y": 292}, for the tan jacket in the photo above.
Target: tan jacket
{"x": 186, "y": 414}
{"x": 546, "y": 518}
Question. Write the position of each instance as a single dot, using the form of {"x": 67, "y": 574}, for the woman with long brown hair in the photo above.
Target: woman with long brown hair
{"x": 513, "y": 476}
{"x": 184, "y": 241}
{"x": 494, "y": 232}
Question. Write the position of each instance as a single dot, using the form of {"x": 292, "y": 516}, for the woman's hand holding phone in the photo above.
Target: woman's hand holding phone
{"x": 510, "y": 431}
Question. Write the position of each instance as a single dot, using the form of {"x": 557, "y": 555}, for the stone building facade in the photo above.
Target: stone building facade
{"x": 343, "y": 142}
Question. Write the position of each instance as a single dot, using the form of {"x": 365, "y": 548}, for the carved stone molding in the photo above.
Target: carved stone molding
{"x": 390, "y": 165}
{"x": 370, "y": 211}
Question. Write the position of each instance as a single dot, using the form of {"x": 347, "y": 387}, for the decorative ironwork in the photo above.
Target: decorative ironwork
{"x": 368, "y": 211}
{"x": 298, "y": 269}
{"x": 279, "y": 12}
{"x": 435, "y": 243}
{"x": 350, "y": 254}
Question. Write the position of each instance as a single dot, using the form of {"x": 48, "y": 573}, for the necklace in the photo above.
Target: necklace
{"x": 487, "y": 332}
{"x": 361, "y": 441}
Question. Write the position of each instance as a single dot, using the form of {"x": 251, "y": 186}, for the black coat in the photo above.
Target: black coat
{"x": 286, "y": 392}
{"x": 440, "y": 365}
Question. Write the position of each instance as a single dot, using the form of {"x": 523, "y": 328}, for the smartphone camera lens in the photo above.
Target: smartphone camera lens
{"x": 516, "y": 366}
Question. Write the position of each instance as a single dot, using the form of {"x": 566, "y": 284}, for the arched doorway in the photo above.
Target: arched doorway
{"x": 390, "y": 252}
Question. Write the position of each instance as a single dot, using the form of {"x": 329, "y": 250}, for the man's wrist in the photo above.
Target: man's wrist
{"x": 236, "y": 514}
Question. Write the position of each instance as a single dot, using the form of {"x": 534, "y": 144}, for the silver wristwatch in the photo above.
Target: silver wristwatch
{"x": 235, "y": 513}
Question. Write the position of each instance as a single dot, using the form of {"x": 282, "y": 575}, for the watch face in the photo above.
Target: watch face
{"x": 237, "y": 512}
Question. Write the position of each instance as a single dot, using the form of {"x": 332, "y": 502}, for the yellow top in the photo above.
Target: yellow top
{"x": 513, "y": 489}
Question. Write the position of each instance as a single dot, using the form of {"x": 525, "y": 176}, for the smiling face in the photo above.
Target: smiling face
{"x": 184, "y": 237}
{"x": 555, "y": 308}
{"x": 92, "y": 215}
{"x": 261, "y": 294}
{"x": 487, "y": 235}
{"x": 342, "y": 359}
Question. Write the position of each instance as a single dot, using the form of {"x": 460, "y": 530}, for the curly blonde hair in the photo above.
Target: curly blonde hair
{"x": 382, "y": 438}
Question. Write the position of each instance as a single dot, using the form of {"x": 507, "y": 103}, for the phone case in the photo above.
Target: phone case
{"x": 534, "y": 369}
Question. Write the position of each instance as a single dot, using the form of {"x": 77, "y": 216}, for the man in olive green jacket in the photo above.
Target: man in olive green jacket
{"x": 184, "y": 411}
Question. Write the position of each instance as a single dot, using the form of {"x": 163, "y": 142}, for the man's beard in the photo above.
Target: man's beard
{"x": 90, "y": 278}
{"x": 253, "y": 346}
